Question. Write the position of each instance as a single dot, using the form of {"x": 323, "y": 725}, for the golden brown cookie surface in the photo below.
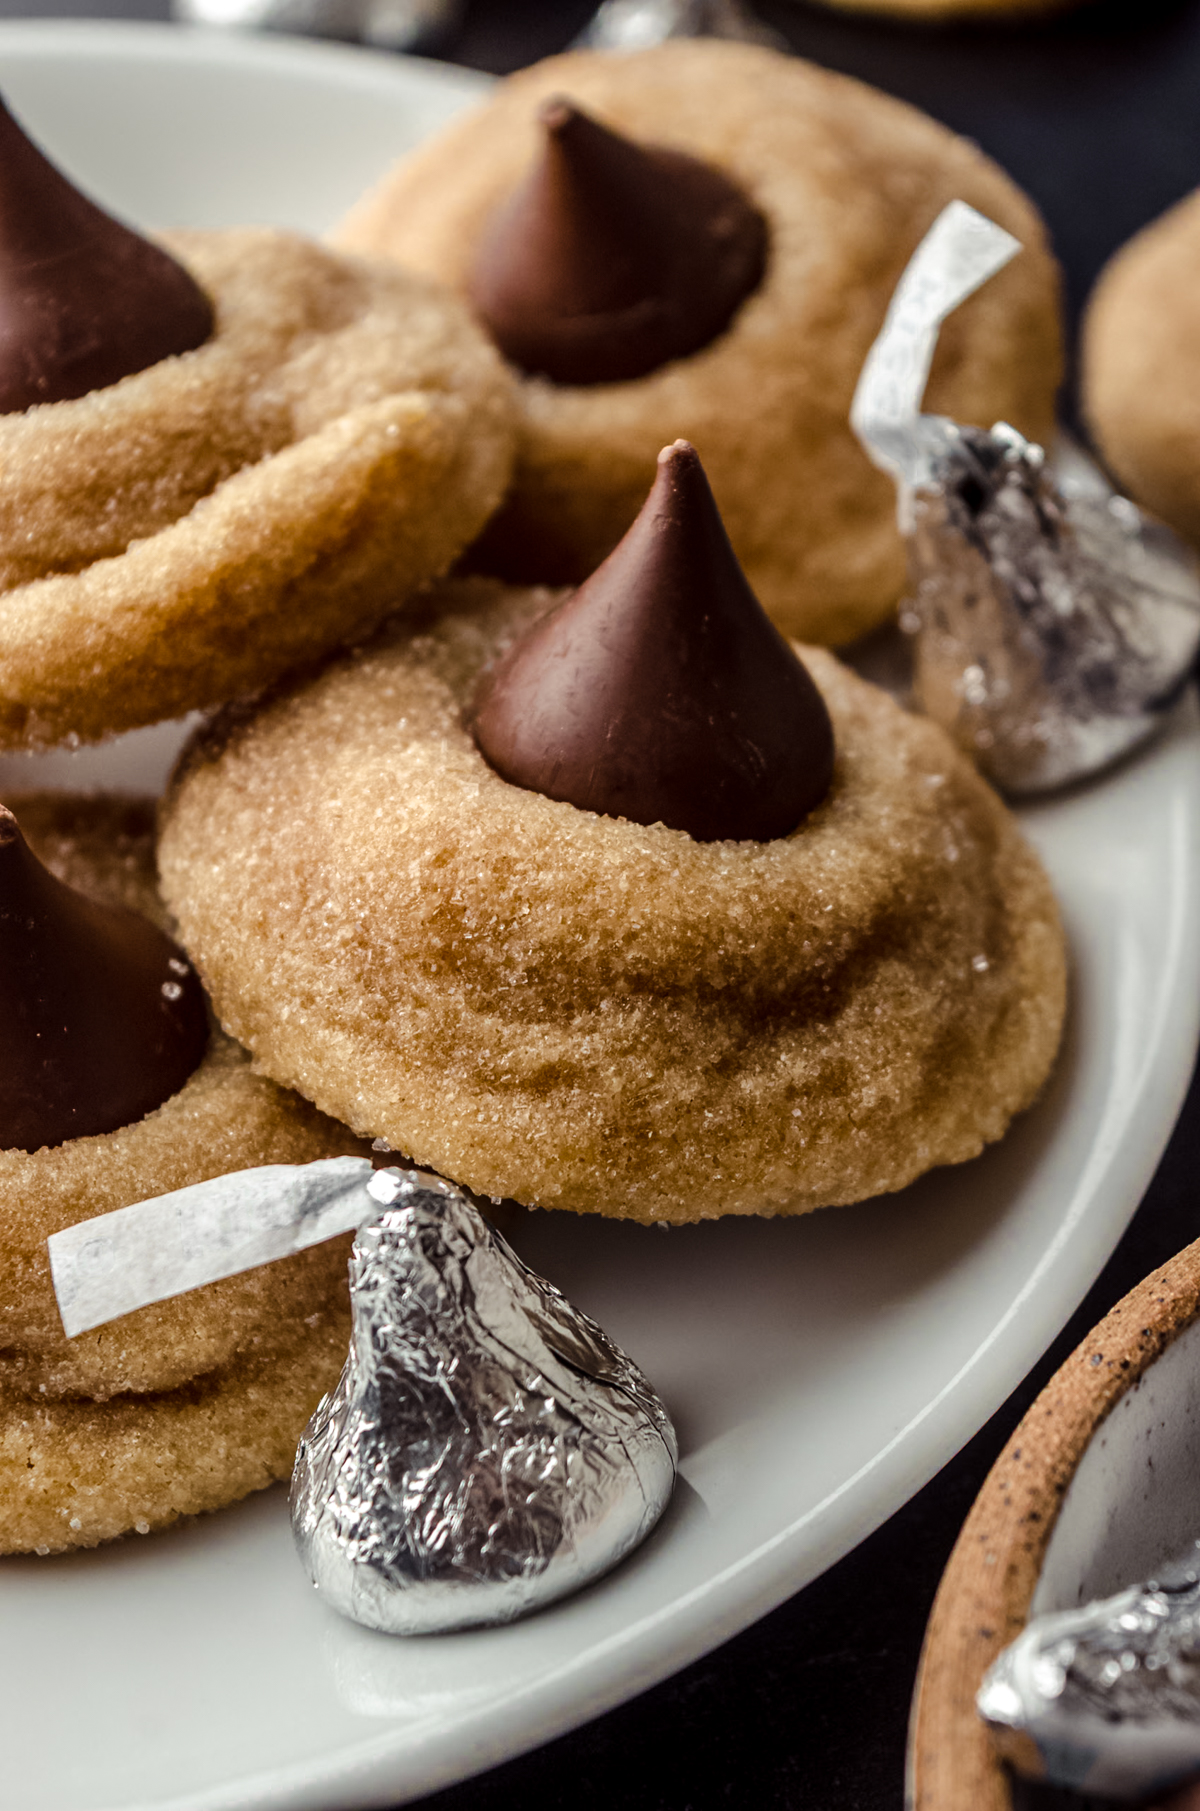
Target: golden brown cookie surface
{"x": 225, "y": 1118}
{"x": 188, "y": 534}
{"x": 270, "y": 1335}
{"x": 848, "y": 181}
{"x": 1141, "y": 366}
{"x": 585, "y": 1013}
{"x": 74, "y": 1473}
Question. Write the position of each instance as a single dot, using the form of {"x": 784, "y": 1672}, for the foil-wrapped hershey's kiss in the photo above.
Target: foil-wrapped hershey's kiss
{"x": 1105, "y": 1699}
{"x": 1054, "y": 624}
{"x": 488, "y": 1448}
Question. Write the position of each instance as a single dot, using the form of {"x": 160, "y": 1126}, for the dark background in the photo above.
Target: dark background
{"x": 1097, "y": 115}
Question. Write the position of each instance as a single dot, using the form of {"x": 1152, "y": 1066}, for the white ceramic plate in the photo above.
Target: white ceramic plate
{"x": 820, "y": 1370}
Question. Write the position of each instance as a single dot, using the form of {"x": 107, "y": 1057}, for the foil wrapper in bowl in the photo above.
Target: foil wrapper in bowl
{"x": 1105, "y": 1699}
{"x": 488, "y": 1448}
{"x": 1055, "y": 625}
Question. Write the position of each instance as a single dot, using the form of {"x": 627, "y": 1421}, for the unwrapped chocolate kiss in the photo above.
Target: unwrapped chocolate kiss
{"x": 83, "y": 300}
{"x": 611, "y": 257}
{"x": 660, "y": 691}
{"x": 102, "y": 1017}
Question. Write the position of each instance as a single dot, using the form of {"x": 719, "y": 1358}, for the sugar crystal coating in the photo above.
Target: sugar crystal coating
{"x": 848, "y": 180}
{"x": 74, "y": 1472}
{"x": 190, "y": 1403}
{"x": 188, "y": 534}
{"x": 586, "y": 1013}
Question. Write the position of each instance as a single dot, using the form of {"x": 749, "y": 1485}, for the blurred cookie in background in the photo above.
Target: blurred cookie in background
{"x": 1141, "y": 366}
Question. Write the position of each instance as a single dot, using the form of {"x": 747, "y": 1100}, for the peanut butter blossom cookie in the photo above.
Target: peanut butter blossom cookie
{"x": 219, "y": 457}
{"x": 114, "y": 1089}
{"x": 701, "y": 239}
{"x": 1141, "y": 366}
{"x": 630, "y": 908}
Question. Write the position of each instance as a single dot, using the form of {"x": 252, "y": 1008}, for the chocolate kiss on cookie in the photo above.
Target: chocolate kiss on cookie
{"x": 660, "y": 691}
{"x": 612, "y": 258}
{"x": 101, "y": 1016}
{"x": 83, "y": 300}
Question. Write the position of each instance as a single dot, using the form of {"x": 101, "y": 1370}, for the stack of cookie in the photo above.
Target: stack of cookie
{"x": 221, "y": 459}
{"x": 113, "y": 1088}
{"x": 611, "y": 900}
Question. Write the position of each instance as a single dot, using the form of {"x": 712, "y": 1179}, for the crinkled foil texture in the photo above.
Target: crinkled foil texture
{"x": 386, "y": 24}
{"x": 488, "y": 1448}
{"x": 1055, "y": 624}
{"x": 636, "y": 24}
{"x": 1108, "y": 1694}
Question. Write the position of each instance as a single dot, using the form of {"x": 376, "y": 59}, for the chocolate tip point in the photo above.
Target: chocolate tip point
{"x": 612, "y": 257}
{"x": 94, "y": 1033}
{"x": 659, "y": 691}
{"x": 86, "y": 299}
{"x": 557, "y": 113}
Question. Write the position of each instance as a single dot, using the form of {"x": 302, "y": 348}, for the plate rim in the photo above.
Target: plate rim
{"x": 183, "y": 42}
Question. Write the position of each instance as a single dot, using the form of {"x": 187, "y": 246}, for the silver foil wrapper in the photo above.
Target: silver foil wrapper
{"x": 1055, "y": 626}
{"x": 387, "y": 24}
{"x": 1107, "y": 1697}
{"x": 636, "y": 24}
{"x": 488, "y": 1448}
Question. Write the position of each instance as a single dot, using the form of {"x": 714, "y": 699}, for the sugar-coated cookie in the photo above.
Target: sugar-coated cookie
{"x": 191, "y": 532}
{"x": 1141, "y": 366}
{"x": 847, "y": 181}
{"x": 190, "y": 1402}
{"x": 74, "y": 1473}
{"x": 587, "y": 1013}
{"x": 225, "y": 1118}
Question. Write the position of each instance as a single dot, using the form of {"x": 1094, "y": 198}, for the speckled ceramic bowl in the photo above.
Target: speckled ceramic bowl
{"x": 1098, "y": 1486}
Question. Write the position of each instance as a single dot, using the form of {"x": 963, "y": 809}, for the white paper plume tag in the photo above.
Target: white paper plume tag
{"x": 958, "y": 254}
{"x": 109, "y": 1266}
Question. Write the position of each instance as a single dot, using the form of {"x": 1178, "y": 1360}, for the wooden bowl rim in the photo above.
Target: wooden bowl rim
{"x": 983, "y": 1600}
